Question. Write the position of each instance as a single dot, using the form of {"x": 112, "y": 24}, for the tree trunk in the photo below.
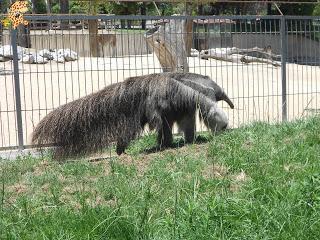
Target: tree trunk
{"x": 93, "y": 38}
{"x": 48, "y": 5}
{"x": 64, "y": 9}
{"x": 123, "y": 23}
{"x": 23, "y": 36}
{"x": 1, "y": 34}
{"x": 189, "y": 36}
{"x": 143, "y": 12}
{"x": 200, "y": 10}
{"x": 129, "y": 24}
{"x": 238, "y": 9}
{"x": 269, "y": 9}
{"x": 33, "y": 10}
{"x": 23, "y": 32}
{"x": 170, "y": 48}
{"x": 1, "y": 26}
{"x": 64, "y": 6}
{"x": 189, "y": 29}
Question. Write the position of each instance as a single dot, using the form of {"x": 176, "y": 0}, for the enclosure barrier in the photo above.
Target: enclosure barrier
{"x": 269, "y": 66}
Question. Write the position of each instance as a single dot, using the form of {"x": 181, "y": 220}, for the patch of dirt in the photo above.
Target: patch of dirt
{"x": 82, "y": 187}
{"x": 62, "y": 178}
{"x": 14, "y": 191}
{"x": 141, "y": 162}
{"x": 215, "y": 171}
{"x": 92, "y": 179}
{"x": 18, "y": 188}
{"x": 291, "y": 167}
{"x": 69, "y": 189}
{"x": 238, "y": 180}
{"x": 170, "y": 166}
{"x": 240, "y": 177}
{"x": 248, "y": 144}
{"x": 190, "y": 150}
{"x": 100, "y": 201}
{"x": 68, "y": 199}
{"x": 218, "y": 171}
{"x": 45, "y": 187}
{"x": 105, "y": 165}
{"x": 41, "y": 168}
{"x": 299, "y": 137}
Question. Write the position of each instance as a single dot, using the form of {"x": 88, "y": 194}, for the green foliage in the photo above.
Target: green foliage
{"x": 316, "y": 10}
{"x": 168, "y": 9}
{"x": 55, "y": 8}
{"x": 40, "y": 7}
{"x": 4, "y": 4}
{"x": 297, "y": 9}
{"x": 76, "y": 8}
{"x": 256, "y": 182}
{"x": 121, "y": 8}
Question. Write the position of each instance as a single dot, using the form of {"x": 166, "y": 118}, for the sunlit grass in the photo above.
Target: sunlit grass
{"x": 256, "y": 182}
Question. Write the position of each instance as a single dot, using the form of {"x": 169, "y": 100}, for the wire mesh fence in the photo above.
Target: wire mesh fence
{"x": 269, "y": 66}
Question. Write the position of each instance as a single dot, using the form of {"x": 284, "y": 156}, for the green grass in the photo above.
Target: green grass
{"x": 255, "y": 182}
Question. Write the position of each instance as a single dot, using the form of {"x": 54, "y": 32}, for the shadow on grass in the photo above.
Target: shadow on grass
{"x": 178, "y": 143}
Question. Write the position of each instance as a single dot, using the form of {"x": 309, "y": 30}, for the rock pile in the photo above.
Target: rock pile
{"x": 40, "y": 57}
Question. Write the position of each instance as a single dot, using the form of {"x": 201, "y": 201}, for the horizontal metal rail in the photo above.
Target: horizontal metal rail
{"x": 260, "y": 91}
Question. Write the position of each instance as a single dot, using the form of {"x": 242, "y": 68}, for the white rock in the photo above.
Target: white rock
{"x": 58, "y": 58}
{"x": 28, "y": 58}
{"x": 39, "y": 59}
{"x": 4, "y": 59}
{"x": 68, "y": 54}
{"x": 46, "y": 54}
{"x": 194, "y": 52}
{"x": 6, "y": 51}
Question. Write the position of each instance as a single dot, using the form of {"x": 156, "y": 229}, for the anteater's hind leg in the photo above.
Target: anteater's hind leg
{"x": 187, "y": 125}
{"x": 165, "y": 138}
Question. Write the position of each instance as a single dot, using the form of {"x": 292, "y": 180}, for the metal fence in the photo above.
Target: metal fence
{"x": 260, "y": 91}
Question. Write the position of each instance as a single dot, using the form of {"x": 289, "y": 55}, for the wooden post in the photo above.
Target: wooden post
{"x": 189, "y": 36}
{"x": 189, "y": 28}
{"x": 168, "y": 43}
{"x": 93, "y": 37}
{"x": 23, "y": 36}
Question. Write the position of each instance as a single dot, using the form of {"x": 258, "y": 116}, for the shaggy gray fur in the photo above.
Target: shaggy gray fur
{"x": 203, "y": 84}
{"x": 119, "y": 112}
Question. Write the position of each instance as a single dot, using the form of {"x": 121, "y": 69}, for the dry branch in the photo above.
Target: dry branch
{"x": 241, "y": 55}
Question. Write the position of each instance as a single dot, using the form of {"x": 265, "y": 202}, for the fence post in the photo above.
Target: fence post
{"x": 284, "y": 45}
{"x": 17, "y": 87}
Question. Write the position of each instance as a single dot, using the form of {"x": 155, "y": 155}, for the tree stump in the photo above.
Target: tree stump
{"x": 168, "y": 43}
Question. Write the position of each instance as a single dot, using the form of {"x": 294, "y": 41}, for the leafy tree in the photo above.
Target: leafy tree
{"x": 64, "y": 6}
{"x": 39, "y": 6}
{"x": 4, "y": 4}
{"x": 55, "y": 8}
{"x": 75, "y": 7}
{"x": 295, "y": 9}
{"x": 316, "y": 10}
{"x": 122, "y": 8}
